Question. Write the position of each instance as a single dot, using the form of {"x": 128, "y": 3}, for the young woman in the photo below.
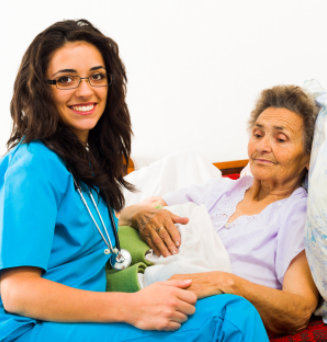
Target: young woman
{"x": 59, "y": 185}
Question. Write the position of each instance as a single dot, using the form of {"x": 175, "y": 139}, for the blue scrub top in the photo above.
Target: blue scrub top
{"x": 44, "y": 224}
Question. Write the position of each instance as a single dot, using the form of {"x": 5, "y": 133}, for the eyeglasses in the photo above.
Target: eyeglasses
{"x": 96, "y": 80}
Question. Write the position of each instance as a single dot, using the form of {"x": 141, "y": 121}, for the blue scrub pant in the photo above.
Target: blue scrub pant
{"x": 218, "y": 318}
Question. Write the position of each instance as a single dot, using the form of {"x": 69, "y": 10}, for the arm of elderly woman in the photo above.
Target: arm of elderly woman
{"x": 163, "y": 306}
{"x": 283, "y": 311}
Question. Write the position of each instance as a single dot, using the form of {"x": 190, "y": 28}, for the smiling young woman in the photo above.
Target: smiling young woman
{"x": 80, "y": 103}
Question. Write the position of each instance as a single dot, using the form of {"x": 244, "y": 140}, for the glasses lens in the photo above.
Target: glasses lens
{"x": 98, "y": 79}
{"x": 67, "y": 82}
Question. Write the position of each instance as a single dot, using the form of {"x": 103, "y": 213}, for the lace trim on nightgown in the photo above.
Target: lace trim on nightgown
{"x": 227, "y": 205}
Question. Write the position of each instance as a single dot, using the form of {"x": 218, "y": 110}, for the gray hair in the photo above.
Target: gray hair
{"x": 293, "y": 98}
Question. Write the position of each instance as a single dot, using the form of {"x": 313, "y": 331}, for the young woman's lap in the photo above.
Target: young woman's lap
{"x": 217, "y": 318}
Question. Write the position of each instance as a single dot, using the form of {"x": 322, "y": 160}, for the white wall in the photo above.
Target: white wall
{"x": 195, "y": 67}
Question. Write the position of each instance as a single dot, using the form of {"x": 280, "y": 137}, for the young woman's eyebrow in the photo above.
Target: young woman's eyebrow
{"x": 97, "y": 68}
{"x": 64, "y": 70}
{"x": 73, "y": 71}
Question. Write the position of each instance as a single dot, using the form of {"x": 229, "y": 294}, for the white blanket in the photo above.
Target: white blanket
{"x": 168, "y": 174}
{"x": 201, "y": 249}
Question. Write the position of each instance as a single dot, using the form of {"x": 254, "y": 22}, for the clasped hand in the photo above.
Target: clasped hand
{"x": 157, "y": 228}
{"x": 163, "y": 305}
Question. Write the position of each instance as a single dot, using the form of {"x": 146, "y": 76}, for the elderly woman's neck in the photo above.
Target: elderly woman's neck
{"x": 261, "y": 190}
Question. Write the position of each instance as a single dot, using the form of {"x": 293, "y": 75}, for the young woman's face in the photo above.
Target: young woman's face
{"x": 82, "y": 107}
{"x": 276, "y": 146}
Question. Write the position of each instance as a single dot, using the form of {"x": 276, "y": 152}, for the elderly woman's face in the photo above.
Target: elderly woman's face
{"x": 276, "y": 146}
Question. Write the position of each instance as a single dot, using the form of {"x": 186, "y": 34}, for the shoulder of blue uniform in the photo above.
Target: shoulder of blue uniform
{"x": 35, "y": 153}
{"x": 35, "y": 159}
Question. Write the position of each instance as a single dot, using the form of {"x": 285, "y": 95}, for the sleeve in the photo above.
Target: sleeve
{"x": 206, "y": 194}
{"x": 290, "y": 238}
{"x": 30, "y": 192}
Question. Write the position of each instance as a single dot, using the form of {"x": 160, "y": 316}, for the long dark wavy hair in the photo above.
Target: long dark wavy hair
{"x": 35, "y": 116}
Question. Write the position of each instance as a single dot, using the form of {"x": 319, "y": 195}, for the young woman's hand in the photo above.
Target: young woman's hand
{"x": 162, "y": 306}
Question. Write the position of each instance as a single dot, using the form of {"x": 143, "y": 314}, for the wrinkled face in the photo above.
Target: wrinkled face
{"x": 276, "y": 146}
{"x": 80, "y": 108}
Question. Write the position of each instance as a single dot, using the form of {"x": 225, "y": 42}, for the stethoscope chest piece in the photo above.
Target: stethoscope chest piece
{"x": 120, "y": 259}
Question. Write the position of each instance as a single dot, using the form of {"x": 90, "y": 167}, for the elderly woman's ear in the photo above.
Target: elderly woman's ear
{"x": 307, "y": 165}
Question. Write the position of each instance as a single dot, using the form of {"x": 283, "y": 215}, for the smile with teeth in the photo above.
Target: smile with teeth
{"x": 83, "y": 108}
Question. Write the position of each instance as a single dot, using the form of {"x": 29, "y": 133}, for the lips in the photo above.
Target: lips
{"x": 263, "y": 161}
{"x": 83, "y": 108}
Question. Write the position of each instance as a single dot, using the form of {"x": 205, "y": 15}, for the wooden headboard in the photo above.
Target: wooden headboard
{"x": 226, "y": 168}
{"x": 233, "y": 166}
{"x": 130, "y": 166}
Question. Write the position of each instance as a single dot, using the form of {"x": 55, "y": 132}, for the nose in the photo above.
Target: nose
{"x": 264, "y": 144}
{"x": 84, "y": 89}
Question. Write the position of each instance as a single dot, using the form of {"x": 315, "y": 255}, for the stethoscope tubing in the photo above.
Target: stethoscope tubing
{"x": 112, "y": 221}
{"x": 114, "y": 228}
{"x": 120, "y": 258}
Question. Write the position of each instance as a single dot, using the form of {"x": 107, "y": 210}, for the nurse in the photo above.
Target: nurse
{"x": 60, "y": 182}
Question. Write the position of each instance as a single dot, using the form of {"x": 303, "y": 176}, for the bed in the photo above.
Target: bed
{"x": 190, "y": 167}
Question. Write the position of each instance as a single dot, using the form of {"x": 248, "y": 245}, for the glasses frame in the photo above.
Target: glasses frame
{"x": 109, "y": 78}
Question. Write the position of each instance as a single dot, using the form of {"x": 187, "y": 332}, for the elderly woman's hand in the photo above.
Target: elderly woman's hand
{"x": 156, "y": 226}
{"x": 206, "y": 284}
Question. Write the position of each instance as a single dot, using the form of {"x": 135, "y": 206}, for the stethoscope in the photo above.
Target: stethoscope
{"x": 120, "y": 258}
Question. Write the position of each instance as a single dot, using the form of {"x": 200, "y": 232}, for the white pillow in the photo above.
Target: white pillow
{"x": 168, "y": 174}
{"x": 316, "y": 224}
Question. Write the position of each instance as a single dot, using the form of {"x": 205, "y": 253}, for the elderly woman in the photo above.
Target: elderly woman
{"x": 260, "y": 218}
